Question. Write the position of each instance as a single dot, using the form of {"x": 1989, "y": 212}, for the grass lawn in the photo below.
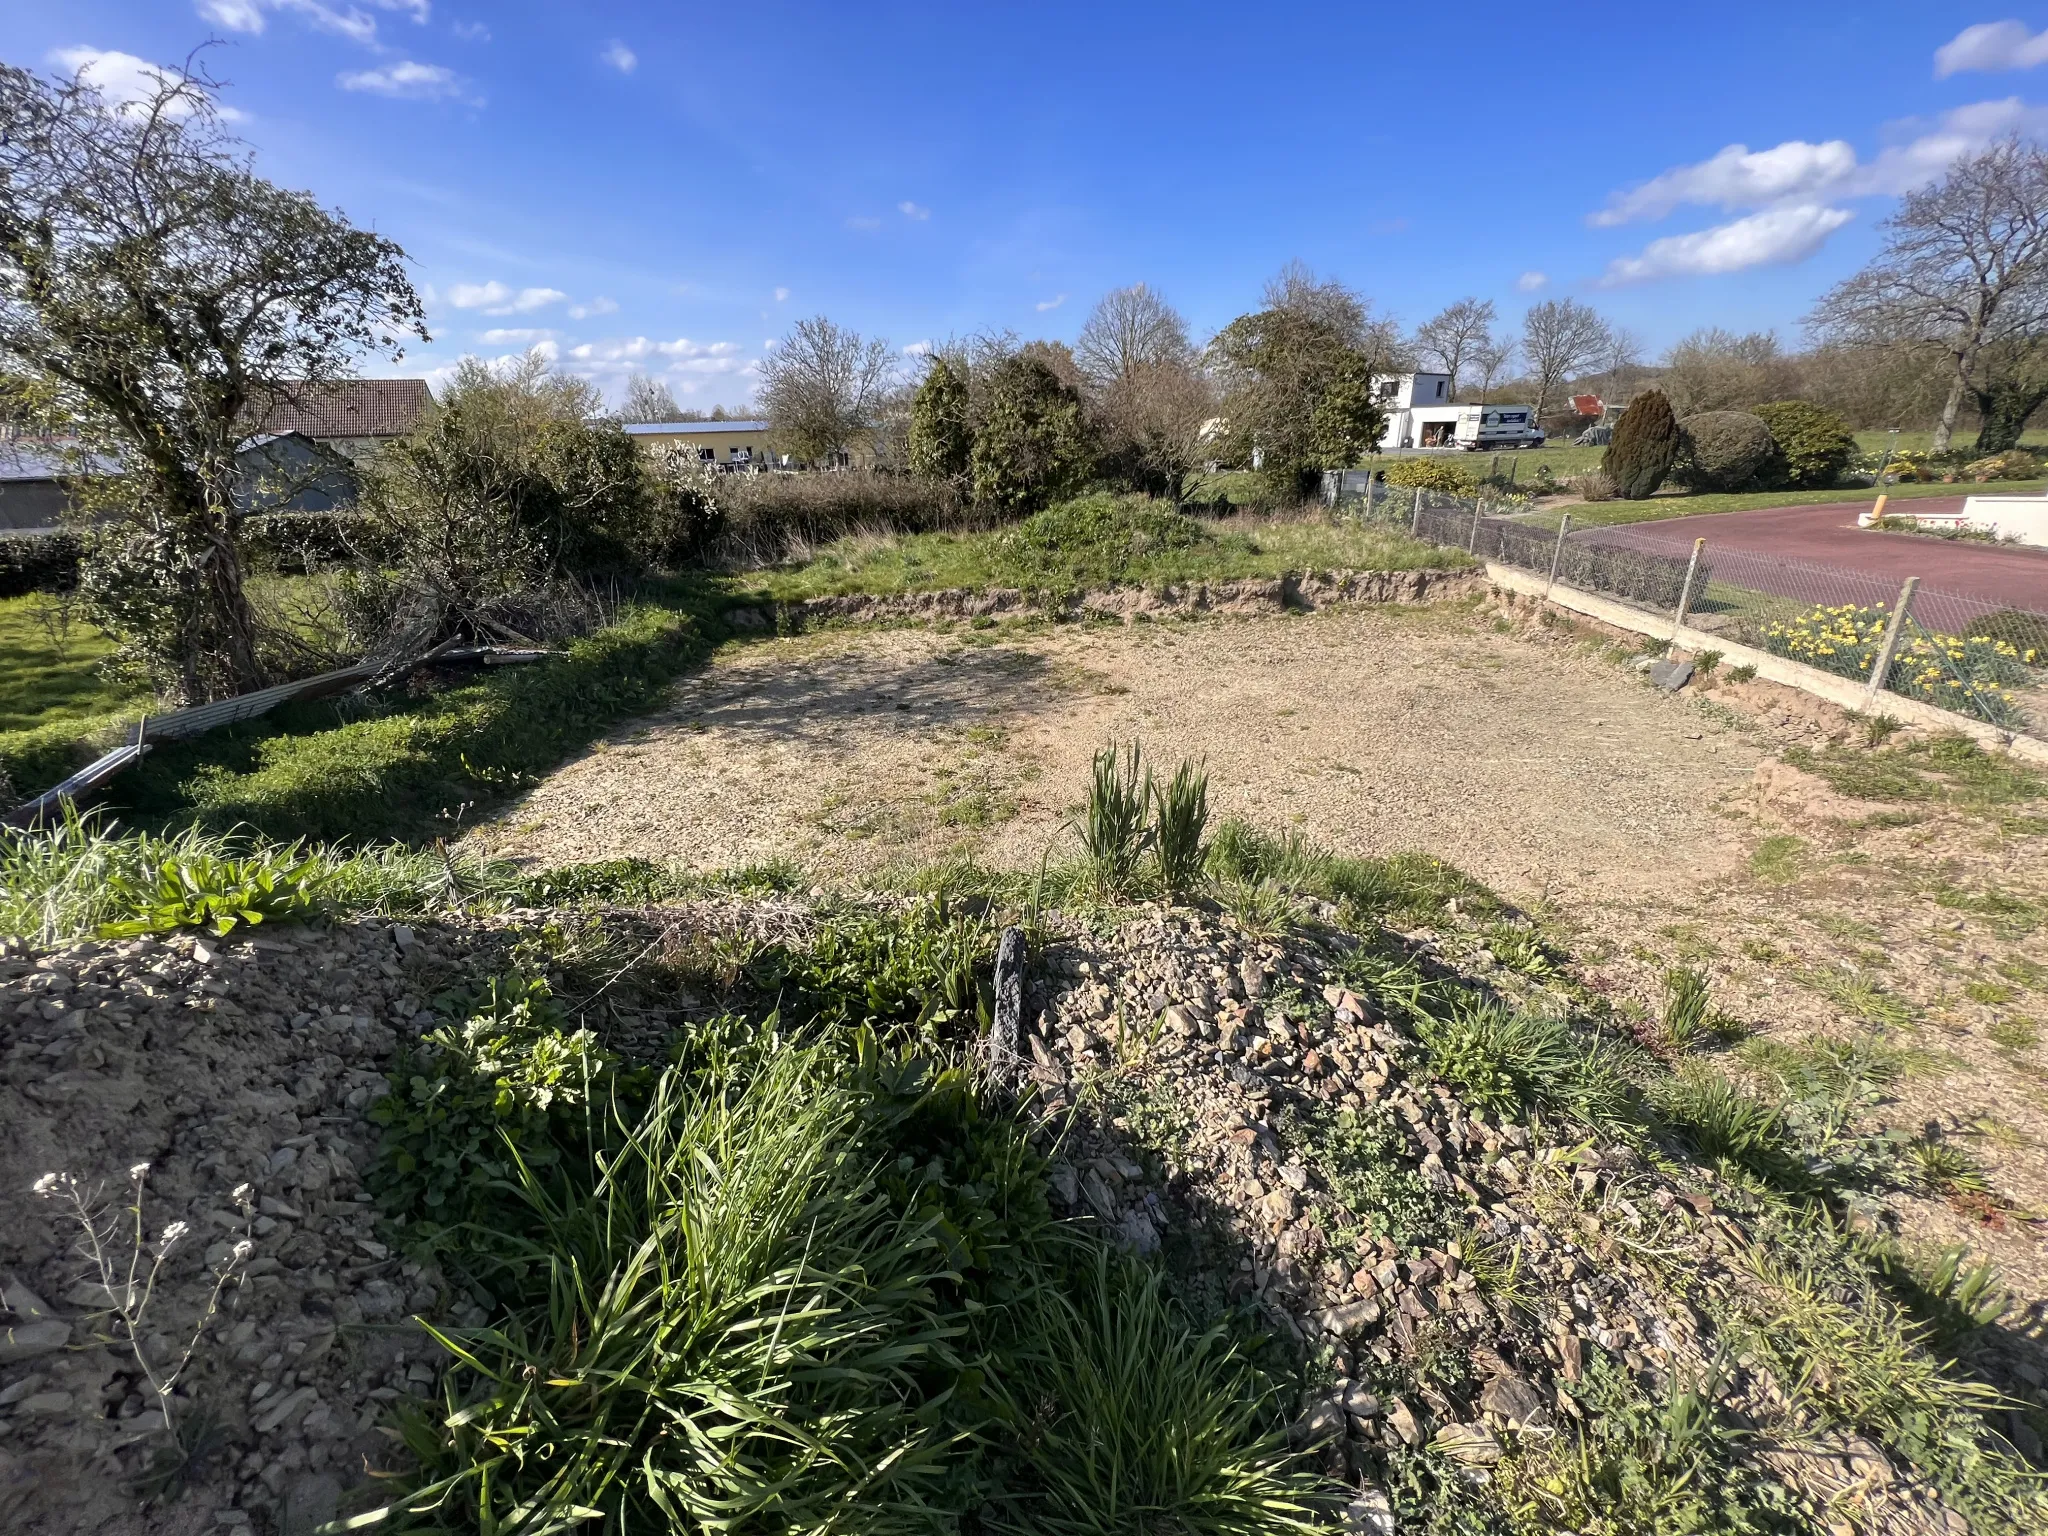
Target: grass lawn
{"x": 1923, "y": 442}
{"x": 1605, "y": 514}
{"x": 1227, "y": 548}
{"x": 50, "y": 671}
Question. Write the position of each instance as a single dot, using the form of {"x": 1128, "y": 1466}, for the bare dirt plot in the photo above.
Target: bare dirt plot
{"x": 1539, "y": 769}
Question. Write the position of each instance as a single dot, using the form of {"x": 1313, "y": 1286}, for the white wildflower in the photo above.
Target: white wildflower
{"x": 244, "y": 1193}
{"x": 138, "y": 1170}
{"x": 243, "y": 1249}
{"x": 49, "y": 1184}
{"x": 171, "y": 1235}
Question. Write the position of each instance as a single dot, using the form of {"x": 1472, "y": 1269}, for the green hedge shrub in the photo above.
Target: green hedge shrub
{"x": 39, "y": 562}
{"x": 1814, "y": 444}
{"x": 1429, "y": 475}
{"x": 1723, "y": 450}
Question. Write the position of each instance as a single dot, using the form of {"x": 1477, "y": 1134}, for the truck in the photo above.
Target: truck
{"x": 1471, "y": 427}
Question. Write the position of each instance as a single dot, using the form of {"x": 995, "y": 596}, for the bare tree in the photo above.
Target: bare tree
{"x": 166, "y": 300}
{"x": 1295, "y": 290}
{"x": 1153, "y": 416}
{"x": 648, "y": 399}
{"x": 1130, "y": 329}
{"x": 1561, "y": 339}
{"x": 1490, "y": 355}
{"x": 821, "y": 387}
{"x": 1964, "y": 266}
{"x": 1448, "y": 337}
{"x": 1712, "y": 369}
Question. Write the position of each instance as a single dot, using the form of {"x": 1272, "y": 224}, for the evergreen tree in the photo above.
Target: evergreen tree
{"x": 1347, "y": 421}
{"x": 941, "y": 425}
{"x": 1645, "y": 446}
{"x": 1032, "y": 446}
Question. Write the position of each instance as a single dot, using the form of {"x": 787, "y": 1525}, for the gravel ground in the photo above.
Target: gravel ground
{"x": 1372, "y": 730}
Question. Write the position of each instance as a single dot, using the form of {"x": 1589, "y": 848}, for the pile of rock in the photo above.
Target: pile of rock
{"x": 1168, "y": 1057}
{"x": 216, "y": 1065}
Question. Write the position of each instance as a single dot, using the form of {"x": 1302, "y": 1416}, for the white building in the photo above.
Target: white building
{"x": 1420, "y": 414}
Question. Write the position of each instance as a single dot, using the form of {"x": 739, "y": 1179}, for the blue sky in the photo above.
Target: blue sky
{"x": 667, "y": 188}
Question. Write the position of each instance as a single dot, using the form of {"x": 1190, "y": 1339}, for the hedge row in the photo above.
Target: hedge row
{"x": 39, "y": 562}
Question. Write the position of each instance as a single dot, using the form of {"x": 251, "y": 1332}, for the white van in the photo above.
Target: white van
{"x": 1470, "y": 427}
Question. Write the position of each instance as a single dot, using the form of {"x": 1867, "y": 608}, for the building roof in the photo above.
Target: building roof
{"x": 691, "y": 428}
{"x": 353, "y": 408}
{"x": 46, "y": 459}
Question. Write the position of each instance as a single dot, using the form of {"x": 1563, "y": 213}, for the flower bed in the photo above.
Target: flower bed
{"x": 1970, "y": 674}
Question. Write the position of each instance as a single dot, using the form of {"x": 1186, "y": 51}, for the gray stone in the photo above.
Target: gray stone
{"x": 1469, "y": 1443}
{"x": 1370, "y": 1514}
{"x": 1323, "y": 1421}
{"x": 25, "y": 1341}
{"x": 1512, "y": 1398}
{"x": 1402, "y": 1418}
{"x": 1670, "y": 675}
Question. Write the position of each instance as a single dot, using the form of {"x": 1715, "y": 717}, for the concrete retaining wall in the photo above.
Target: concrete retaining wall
{"x": 1847, "y": 692}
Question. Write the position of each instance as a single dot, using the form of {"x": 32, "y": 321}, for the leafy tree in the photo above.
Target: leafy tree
{"x": 1031, "y": 446}
{"x": 166, "y": 299}
{"x": 822, "y": 386}
{"x": 1814, "y": 444}
{"x": 1724, "y": 450}
{"x": 941, "y": 424}
{"x": 1312, "y": 339}
{"x": 1964, "y": 267}
{"x": 1645, "y": 446}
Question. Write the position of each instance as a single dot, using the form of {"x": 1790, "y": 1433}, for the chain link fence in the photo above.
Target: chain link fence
{"x": 1977, "y": 656}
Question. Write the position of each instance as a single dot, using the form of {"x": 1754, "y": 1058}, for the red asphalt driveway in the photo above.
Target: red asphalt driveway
{"x": 1828, "y": 536}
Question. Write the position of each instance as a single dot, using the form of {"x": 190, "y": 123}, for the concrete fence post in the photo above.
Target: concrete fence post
{"x": 1472, "y": 540}
{"x": 1692, "y": 569}
{"x": 1415, "y": 517}
{"x": 1564, "y": 527}
{"x": 1887, "y": 652}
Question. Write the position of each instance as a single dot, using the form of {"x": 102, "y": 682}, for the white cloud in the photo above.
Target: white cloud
{"x": 681, "y": 355}
{"x": 1530, "y": 282}
{"x": 1991, "y": 46}
{"x": 1771, "y": 238}
{"x": 620, "y": 57}
{"x": 513, "y": 336}
{"x": 408, "y": 80}
{"x": 599, "y": 306}
{"x": 1737, "y": 178}
{"x": 781, "y": 294}
{"x": 351, "y": 22}
{"x": 123, "y": 80}
{"x": 495, "y": 298}
{"x": 863, "y": 222}
{"x": 918, "y": 349}
{"x": 1052, "y": 303}
{"x": 471, "y": 31}
{"x": 911, "y": 210}
{"x": 1797, "y": 174}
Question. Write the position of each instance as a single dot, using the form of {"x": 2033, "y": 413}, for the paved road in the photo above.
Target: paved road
{"x": 1983, "y": 575}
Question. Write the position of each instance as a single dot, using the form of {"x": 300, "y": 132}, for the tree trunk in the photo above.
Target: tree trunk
{"x": 2005, "y": 408}
{"x": 1945, "y": 428}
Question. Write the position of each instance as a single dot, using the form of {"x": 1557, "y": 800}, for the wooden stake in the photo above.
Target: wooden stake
{"x": 1692, "y": 568}
{"x": 1881, "y": 669}
{"x": 1564, "y": 526}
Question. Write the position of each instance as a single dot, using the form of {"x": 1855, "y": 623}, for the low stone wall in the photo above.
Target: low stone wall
{"x": 1309, "y": 590}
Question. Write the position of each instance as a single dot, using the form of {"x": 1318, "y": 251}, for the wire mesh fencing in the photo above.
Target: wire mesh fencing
{"x": 1979, "y": 655}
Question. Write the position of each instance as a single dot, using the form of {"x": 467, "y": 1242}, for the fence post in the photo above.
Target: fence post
{"x": 1881, "y": 669}
{"x": 1692, "y": 567}
{"x": 1564, "y": 526}
{"x": 1472, "y": 542}
{"x": 1415, "y": 518}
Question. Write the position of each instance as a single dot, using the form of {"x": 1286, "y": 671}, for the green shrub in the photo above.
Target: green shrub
{"x": 1430, "y": 474}
{"x": 1094, "y": 538}
{"x": 1514, "y": 1060}
{"x": 1645, "y": 446}
{"x": 1723, "y": 450}
{"x": 1031, "y": 446}
{"x": 1814, "y": 444}
{"x": 40, "y": 562}
{"x": 197, "y": 887}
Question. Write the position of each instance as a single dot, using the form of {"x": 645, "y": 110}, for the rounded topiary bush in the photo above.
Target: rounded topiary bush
{"x": 1644, "y": 448}
{"x": 1723, "y": 450}
{"x": 1814, "y": 444}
